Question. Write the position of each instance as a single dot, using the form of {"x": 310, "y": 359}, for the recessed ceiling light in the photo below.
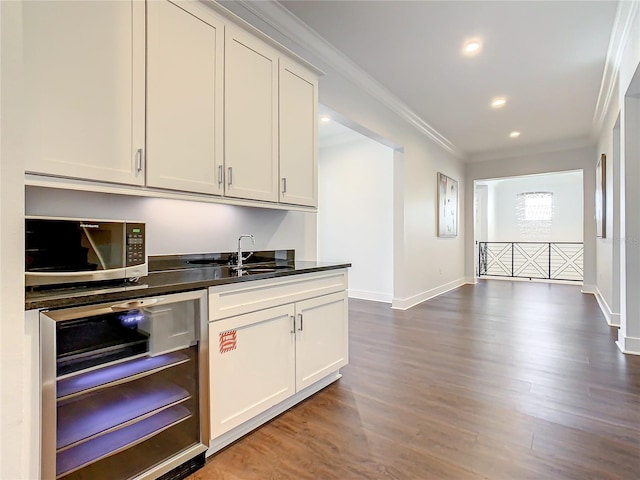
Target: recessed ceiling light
{"x": 498, "y": 102}
{"x": 514, "y": 134}
{"x": 472, "y": 47}
{"x": 325, "y": 118}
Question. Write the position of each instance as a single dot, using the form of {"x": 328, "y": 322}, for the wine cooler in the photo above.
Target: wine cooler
{"x": 125, "y": 389}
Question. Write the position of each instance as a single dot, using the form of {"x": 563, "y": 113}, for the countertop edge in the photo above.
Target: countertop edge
{"x": 140, "y": 290}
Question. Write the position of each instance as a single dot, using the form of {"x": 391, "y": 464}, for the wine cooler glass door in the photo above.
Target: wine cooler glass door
{"x": 124, "y": 387}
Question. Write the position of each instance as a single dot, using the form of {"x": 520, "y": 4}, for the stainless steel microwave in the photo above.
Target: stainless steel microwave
{"x": 74, "y": 250}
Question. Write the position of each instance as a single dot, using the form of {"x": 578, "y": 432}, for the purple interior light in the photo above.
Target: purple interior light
{"x": 103, "y": 376}
{"x": 113, "y": 442}
{"x": 131, "y": 318}
{"x": 92, "y": 415}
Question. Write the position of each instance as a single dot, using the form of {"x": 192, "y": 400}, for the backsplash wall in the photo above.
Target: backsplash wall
{"x": 180, "y": 226}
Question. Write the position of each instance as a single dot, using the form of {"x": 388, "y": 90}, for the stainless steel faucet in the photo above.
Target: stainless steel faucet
{"x": 240, "y": 257}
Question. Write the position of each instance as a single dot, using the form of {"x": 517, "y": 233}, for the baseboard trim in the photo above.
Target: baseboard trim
{"x": 406, "y": 303}
{"x": 613, "y": 319}
{"x": 533, "y": 280}
{"x": 228, "y": 438}
{"x": 589, "y": 289}
{"x": 628, "y": 345}
{"x": 372, "y": 296}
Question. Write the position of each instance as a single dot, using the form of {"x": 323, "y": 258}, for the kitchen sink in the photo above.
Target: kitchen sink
{"x": 207, "y": 261}
{"x": 265, "y": 269}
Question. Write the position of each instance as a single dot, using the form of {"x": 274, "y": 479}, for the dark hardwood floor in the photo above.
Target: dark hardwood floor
{"x": 499, "y": 381}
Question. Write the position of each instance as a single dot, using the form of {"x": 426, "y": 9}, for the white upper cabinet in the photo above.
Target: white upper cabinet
{"x": 185, "y": 62}
{"x": 84, "y": 70}
{"x": 170, "y": 95}
{"x": 251, "y": 117}
{"x": 298, "y": 135}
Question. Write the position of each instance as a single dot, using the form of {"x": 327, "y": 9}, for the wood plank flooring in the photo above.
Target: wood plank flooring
{"x": 499, "y": 380}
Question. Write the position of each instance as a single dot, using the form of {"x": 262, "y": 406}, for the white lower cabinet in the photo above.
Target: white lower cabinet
{"x": 252, "y": 358}
{"x": 261, "y": 359}
{"x": 321, "y": 337}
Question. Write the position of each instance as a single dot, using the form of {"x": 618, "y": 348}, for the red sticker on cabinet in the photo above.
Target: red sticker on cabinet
{"x": 228, "y": 341}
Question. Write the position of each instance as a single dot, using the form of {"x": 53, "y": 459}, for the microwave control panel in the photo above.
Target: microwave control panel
{"x": 136, "y": 247}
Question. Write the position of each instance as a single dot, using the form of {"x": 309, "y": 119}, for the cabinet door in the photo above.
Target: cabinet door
{"x": 252, "y": 365}
{"x": 84, "y": 89}
{"x": 298, "y": 135}
{"x": 184, "y": 99}
{"x": 322, "y": 332}
{"x": 251, "y": 117}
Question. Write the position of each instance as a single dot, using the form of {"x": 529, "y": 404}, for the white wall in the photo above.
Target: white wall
{"x": 424, "y": 264}
{"x": 567, "y": 220}
{"x": 177, "y": 226}
{"x": 629, "y": 333}
{"x": 18, "y": 419}
{"x": 608, "y": 268}
{"x": 617, "y": 255}
{"x": 583, "y": 159}
{"x": 355, "y": 214}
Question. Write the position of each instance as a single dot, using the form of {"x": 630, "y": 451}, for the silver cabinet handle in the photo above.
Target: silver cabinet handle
{"x": 220, "y": 176}
{"x": 139, "y": 160}
{"x": 284, "y": 185}
{"x": 301, "y": 324}
{"x": 293, "y": 319}
{"x": 230, "y": 175}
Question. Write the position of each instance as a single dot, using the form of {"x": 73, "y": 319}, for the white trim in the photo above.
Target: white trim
{"x": 533, "y": 149}
{"x": 628, "y": 345}
{"x": 471, "y": 280}
{"x": 622, "y": 26}
{"x": 613, "y": 319}
{"x": 229, "y": 16}
{"x": 534, "y": 280}
{"x": 406, "y": 303}
{"x": 372, "y": 296}
{"x": 592, "y": 289}
{"x": 36, "y": 180}
{"x": 241, "y": 430}
{"x": 295, "y": 30}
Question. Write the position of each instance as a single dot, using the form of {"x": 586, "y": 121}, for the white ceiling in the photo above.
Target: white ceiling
{"x": 546, "y": 57}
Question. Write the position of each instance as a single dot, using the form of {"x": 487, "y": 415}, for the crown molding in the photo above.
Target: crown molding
{"x": 276, "y": 16}
{"x": 622, "y": 26}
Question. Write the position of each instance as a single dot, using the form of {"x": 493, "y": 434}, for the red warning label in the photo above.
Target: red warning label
{"x": 228, "y": 341}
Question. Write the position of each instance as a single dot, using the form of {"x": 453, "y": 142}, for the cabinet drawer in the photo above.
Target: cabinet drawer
{"x": 237, "y": 299}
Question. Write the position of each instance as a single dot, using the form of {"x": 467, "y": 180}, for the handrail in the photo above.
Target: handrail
{"x": 539, "y": 260}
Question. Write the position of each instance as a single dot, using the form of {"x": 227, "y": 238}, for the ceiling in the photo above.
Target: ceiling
{"x": 546, "y": 58}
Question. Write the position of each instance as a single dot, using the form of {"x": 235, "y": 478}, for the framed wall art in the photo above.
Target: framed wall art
{"x": 601, "y": 197}
{"x": 447, "y": 206}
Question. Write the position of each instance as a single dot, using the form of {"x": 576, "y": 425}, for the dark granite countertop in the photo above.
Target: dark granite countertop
{"x": 173, "y": 274}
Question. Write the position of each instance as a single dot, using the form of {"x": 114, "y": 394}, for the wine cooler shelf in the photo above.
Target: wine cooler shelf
{"x": 111, "y": 443}
{"x": 97, "y": 413}
{"x": 123, "y": 372}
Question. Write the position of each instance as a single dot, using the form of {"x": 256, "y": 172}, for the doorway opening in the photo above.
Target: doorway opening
{"x": 530, "y": 227}
{"x": 355, "y": 221}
